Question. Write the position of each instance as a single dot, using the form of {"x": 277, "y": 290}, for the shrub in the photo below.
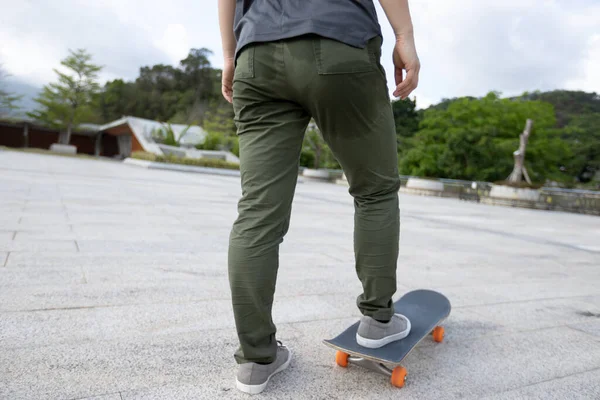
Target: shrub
{"x": 212, "y": 141}
{"x": 198, "y": 162}
{"x": 142, "y": 155}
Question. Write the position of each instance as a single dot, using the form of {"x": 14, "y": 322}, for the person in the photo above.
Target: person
{"x": 285, "y": 62}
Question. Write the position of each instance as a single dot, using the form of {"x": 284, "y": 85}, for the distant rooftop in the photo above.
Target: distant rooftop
{"x": 142, "y": 128}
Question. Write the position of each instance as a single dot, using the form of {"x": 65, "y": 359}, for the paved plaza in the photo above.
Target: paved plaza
{"x": 113, "y": 286}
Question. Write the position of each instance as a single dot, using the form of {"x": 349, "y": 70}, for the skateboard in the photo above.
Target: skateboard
{"x": 425, "y": 309}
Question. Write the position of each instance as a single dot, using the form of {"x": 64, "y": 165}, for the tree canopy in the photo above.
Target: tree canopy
{"x": 8, "y": 100}
{"x": 474, "y": 139}
{"x": 407, "y": 120}
{"x": 69, "y": 101}
{"x": 578, "y": 116}
{"x": 182, "y": 94}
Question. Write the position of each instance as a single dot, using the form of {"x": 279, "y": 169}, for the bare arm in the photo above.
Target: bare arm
{"x": 405, "y": 54}
{"x": 226, "y": 15}
{"x": 398, "y": 14}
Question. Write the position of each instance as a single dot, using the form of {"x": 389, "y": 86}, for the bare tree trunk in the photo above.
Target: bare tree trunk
{"x": 65, "y": 137}
{"x": 26, "y": 136}
{"x": 68, "y": 135}
{"x": 519, "y": 170}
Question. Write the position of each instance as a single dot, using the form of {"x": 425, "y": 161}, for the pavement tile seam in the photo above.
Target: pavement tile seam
{"x": 509, "y": 331}
{"x": 533, "y": 384}
{"x": 200, "y": 301}
{"x": 593, "y": 336}
{"x": 473, "y": 306}
{"x": 98, "y": 340}
{"x": 329, "y": 293}
{"x": 153, "y": 336}
{"x": 99, "y": 395}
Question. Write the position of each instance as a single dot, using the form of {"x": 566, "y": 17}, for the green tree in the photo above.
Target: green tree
{"x": 182, "y": 94}
{"x": 316, "y": 144}
{"x": 219, "y": 118}
{"x": 406, "y": 118}
{"x": 583, "y": 136}
{"x": 157, "y": 93}
{"x": 212, "y": 141}
{"x": 568, "y": 104}
{"x": 7, "y": 100}
{"x": 220, "y": 128}
{"x": 191, "y": 111}
{"x": 69, "y": 102}
{"x": 199, "y": 85}
{"x": 315, "y": 151}
{"x": 474, "y": 139}
{"x": 578, "y": 117}
{"x": 117, "y": 99}
{"x": 197, "y": 75}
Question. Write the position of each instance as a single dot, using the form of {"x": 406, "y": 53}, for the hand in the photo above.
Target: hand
{"x": 227, "y": 79}
{"x": 405, "y": 58}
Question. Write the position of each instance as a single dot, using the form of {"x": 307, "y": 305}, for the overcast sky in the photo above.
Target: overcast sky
{"x": 467, "y": 47}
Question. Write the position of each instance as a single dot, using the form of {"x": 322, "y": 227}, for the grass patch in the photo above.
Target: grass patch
{"x": 172, "y": 159}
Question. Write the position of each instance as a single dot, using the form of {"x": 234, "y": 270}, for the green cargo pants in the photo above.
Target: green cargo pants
{"x": 278, "y": 87}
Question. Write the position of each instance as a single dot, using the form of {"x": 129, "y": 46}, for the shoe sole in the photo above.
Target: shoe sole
{"x": 256, "y": 389}
{"x": 377, "y": 343}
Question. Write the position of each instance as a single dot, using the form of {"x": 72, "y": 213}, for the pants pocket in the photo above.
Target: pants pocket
{"x": 244, "y": 64}
{"x": 335, "y": 57}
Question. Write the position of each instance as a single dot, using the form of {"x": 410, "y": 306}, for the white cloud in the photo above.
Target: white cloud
{"x": 470, "y": 47}
{"x": 26, "y": 64}
{"x": 122, "y": 35}
{"x": 589, "y": 80}
{"x": 174, "y": 42}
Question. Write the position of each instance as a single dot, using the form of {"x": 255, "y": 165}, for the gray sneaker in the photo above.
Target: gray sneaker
{"x": 374, "y": 334}
{"x": 252, "y": 378}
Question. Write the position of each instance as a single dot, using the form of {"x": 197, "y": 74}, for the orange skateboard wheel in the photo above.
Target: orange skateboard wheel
{"x": 398, "y": 377}
{"x": 341, "y": 359}
{"x": 438, "y": 334}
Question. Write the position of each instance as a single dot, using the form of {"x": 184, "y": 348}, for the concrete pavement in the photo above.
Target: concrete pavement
{"x": 113, "y": 286}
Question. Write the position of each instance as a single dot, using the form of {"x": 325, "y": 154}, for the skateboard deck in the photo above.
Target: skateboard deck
{"x": 425, "y": 309}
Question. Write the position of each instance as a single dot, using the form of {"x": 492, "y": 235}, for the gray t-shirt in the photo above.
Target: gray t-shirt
{"x": 353, "y": 22}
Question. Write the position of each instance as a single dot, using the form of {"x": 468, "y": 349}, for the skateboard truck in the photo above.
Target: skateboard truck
{"x": 368, "y": 364}
{"x": 397, "y": 375}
